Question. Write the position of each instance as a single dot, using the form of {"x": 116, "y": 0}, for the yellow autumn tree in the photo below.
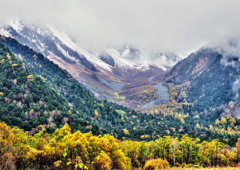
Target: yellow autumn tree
{"x": 102, "y": 161}
{"x": 131, "y": 148}
{"x": 238, "y": 150}
{"x": 9, "y": 57}
{"x": 118, "y": 157}
{"x": 30, "y": 77}
{"x": 6, "y": 147}
{"x": 156, "y": 164}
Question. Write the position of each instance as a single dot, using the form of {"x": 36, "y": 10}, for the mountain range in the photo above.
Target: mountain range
{"x": 120, "y": 74}
{"x": 71, "y": 103}
{"x": 109, "y": 92}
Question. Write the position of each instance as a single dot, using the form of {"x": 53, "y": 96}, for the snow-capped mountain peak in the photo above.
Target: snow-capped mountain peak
{"x": 17, "y": 25}
{"x": 64, "y": 38}
{"x": 48, "y": 40}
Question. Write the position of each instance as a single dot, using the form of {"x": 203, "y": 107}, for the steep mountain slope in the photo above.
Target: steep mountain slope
{"x": 27, "y": 100}
{"x": 208, "y": 78}
{"x": 109, "y": 73}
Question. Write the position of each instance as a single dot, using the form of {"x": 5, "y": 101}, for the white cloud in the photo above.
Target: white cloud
{"x": 168, "y": 25}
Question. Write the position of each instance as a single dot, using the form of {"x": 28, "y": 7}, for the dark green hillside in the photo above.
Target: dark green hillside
{"x": 26, "y": 100}
{"x": 59, "y": 79}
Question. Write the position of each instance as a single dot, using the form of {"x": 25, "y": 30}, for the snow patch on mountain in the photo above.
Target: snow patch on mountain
{"x": 65, "y": 53}
{"x": 236, "y": 87}
{"x": 76, "y": 47}
{"x": 17, "y": 25}
{"x": 62, "y": 36}
{"x": 5, "y": 32}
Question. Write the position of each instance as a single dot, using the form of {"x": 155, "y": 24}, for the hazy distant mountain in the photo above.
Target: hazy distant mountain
{"x": 209, "y": 78}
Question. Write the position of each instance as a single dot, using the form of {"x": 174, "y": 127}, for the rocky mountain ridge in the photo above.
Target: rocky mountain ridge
{"x": 209, "y": 79}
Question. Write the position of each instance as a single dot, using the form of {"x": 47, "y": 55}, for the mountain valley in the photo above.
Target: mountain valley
{"x": 169, "y": 107}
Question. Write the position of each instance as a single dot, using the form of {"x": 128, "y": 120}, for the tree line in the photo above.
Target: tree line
{"x": 65, "y": 149}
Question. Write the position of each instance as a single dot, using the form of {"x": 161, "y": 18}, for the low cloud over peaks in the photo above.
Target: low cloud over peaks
{"x": 177, "y": 26}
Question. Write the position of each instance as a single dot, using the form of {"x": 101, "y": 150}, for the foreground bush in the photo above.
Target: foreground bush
{"x": 155, "y": 164}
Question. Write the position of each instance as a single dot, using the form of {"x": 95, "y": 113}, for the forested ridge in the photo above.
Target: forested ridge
{"x": 27, "y": 101}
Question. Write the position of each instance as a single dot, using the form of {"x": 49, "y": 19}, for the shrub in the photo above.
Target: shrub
{"x": 155, "y": 164}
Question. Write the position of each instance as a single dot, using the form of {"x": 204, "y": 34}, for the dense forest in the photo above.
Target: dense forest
{"x": 66, "y": 150}
{"x": 27, "y": 101}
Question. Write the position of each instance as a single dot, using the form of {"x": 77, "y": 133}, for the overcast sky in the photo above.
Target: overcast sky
{"x": 169, "y": 25}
